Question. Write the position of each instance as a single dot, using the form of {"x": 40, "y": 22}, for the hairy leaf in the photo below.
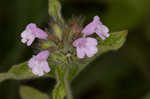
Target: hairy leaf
{"x": 21, "y": 71}
{"x": 31, "y": 93}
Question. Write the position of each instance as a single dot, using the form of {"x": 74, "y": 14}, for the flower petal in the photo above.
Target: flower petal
{"x": 97, "y": 27}
{"x": 80, "y": 52}
{"x": 46, "y": 67}
{"x": 91, "y": 41}
{"x": 86, "y": 46}
{"x": 103, "y": 30}
{"x": 76, "y": 42}
{"x": 43, "y": 55}
{"x": 37, "y": 71}
{"x": 31, "y": 62}
{"x": 31, "y": 26}
{"x": 29, "y": 42}
{"x": 90, "y": 51}
{"x": 40, "y": 34}
{"x": 39, "y": 63}
{"x": 100, "y": 35}
{"x": 31, "y": 32}
{"x": 89, "y": 29}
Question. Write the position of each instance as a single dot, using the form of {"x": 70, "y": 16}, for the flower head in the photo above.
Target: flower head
{"x": 39, "y": 63}
{"x": 97, "y": 27}
{"x": 85, "y": 46}
{"x": 31, "y": 32}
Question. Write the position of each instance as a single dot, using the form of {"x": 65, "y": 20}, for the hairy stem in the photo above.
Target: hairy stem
{"x": 62, "y": 87}
{"x": 67, "y": 85}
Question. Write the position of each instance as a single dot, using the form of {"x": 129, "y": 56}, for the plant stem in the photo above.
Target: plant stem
{"x": 67, "y": 85}
{"x": 62, "y": 87}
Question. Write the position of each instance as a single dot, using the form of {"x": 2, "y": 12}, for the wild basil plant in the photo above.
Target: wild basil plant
{"x": 66, "y": 48}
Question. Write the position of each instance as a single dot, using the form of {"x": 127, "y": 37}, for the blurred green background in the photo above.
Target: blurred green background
{"x": 115, "y": 75}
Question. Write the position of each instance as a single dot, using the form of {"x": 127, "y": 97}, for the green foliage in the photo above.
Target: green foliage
{"x": 132, "y": 60}
{"x": 63, "y": 70}
{"x": 66, "y": 73}
{"x": 31, "y": 93}
{"x": 114, "y": 42}
{"x": 19, "y": 72}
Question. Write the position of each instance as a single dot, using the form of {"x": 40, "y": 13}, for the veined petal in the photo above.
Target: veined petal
{"x": 80, "y": 52}
{"x": 29, "y": 42}
{"x": 89, "y": 29}
{"x": 91, "y": 41}
{"x": 46, "y": 67}
{"x": 76, "y": 42}
{"x": 100, "y": 35}
{"x": 23, "y": 40}
{"x": 31, "y": 26}
{"x": 40, "y": 34}
{"x": 90, "y": 51}
{"x": 37, "y": 71}
{"x": 43, "y": 55}
{"x": 103, "y": 30}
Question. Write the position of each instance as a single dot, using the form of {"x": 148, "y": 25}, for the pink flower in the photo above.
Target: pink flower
{"x": 39, "y": 63}
{"x": 97, "y": 27}
{"x": 85, "y": 46}
{"x": 31, "y": 32}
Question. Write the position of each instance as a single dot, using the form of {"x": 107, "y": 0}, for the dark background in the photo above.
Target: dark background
{"x": 124, "y": 74}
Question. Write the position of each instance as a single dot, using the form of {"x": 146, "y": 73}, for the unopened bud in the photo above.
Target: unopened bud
{"x": 47, "y": 44}
{"x": 58, "y": 31}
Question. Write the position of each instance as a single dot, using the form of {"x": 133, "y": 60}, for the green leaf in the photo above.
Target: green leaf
{"x": 114, "y": 42}
{"x": 31, "y": 93}
{"x": 55, "y": 10}
{"x": 21, "y": 71}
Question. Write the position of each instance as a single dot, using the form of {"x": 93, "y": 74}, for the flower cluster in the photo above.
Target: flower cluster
{"x": 38, "y": 63}
{"x": 85, "y": 46}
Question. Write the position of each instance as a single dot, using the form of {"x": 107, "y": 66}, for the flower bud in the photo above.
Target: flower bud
{"x": 58, "y": 31}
